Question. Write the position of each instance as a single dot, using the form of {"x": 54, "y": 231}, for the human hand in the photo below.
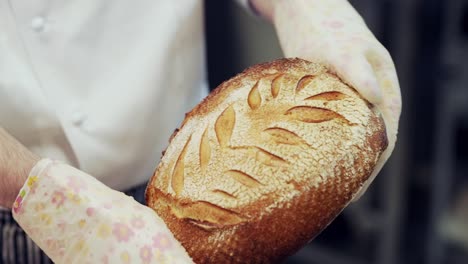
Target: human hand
{"x": 333, "y": 33}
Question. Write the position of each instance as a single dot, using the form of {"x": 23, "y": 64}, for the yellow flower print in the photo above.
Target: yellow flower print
{"x": 165, "y": 259}
{"x": 125, "y": 257}
{"x": 32, "y": 180}
{"x": 75, "y": 198}
{"x": 157, "y": 254}
{"x": 81, "y": 247}
{"x": 104, "y": 231}
{"x": 81, "y": 223}
{"x": 45, "y": 219}
{"x": 39, "y": 207}
{"x": 387, "y": 84}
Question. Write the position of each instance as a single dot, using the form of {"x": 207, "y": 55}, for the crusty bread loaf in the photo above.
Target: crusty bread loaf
{"x": 265, "y": 163}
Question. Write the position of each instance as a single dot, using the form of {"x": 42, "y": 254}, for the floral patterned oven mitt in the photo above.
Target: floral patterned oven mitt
{"x": 75, "y": 218}
{"x": 333, "y": 33}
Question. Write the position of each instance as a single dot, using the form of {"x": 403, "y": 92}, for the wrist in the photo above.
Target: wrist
{"x": 15, "y": 164}
{"x": 17, "y": 177}
{"x": 21, "y": 173}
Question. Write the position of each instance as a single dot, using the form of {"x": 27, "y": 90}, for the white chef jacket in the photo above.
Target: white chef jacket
{"x": 100, "y": 84}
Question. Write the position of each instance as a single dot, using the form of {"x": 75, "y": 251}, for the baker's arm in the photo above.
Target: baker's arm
{"x": 333, "y": 33}
{"x": 15, "y": 163}
{"x": 75, "y": 218}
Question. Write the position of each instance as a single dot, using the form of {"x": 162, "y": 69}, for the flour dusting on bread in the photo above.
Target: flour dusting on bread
{"x": 265, "y": 162}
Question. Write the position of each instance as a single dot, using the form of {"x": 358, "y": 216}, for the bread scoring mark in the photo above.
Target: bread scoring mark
{"x": 224, "y": 194}
{"x": 311, "y": 114}
{"x": 243, "y": 178}
{"x": 284, "y": 136}
{"x": 178, "y": 176}
{"x": 204, "y": 214}
{"x": 205, "y": 151}
{"x": 276, "y": 85}
{"x": 268, "y": 158}
{"x": 224, "y": 126}
{"x": 303, "y": 82}
{"x": 205, "y": 225}
{"x": 328, "y": 96}
{"x": 254, "y": 99}
{"x": 264, "y": 156}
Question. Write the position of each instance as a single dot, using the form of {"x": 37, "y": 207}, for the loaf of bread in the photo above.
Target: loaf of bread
{"x": 265, "y": 163}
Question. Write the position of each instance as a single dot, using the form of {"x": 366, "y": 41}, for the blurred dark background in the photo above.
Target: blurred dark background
{"x": 417, "y": 209}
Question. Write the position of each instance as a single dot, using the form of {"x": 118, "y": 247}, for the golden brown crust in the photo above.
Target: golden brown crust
{"x": 265, "y": 163}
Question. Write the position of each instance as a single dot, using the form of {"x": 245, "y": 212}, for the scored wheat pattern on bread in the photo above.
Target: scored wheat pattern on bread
{"x": 264, "y": 139}
{"x": 224, "y": 126}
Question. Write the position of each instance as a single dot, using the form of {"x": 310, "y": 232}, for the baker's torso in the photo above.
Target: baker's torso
{"x": 100, "y": 84}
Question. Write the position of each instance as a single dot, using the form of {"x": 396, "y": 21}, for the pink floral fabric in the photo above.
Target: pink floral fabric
{"x": 76, "y": 219}
{"x": 333, "y": 33}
